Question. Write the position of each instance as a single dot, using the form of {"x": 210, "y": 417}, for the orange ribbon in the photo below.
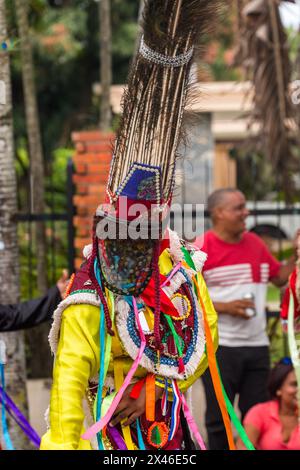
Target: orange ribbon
{"x": 212, "y": 363}
{"x": 150, "y": 397}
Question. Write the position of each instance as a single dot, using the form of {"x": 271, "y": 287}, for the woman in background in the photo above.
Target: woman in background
{"x": 274, "y": 425}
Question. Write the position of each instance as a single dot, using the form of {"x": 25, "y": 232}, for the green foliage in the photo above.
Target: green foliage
{"x": 255, "y": 175}
{"x": 56, "y": 180}
{"x": 278, "y": 340}
{"x": 56, "y": 233}
{"x": 220, "y": 70}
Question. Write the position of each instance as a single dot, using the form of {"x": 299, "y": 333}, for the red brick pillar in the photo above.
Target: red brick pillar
{"x": 92, "y": 161}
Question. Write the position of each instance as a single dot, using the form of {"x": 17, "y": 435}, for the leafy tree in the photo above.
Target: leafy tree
{"x": 34, "y": 139}
{"x": 9, "y": 262}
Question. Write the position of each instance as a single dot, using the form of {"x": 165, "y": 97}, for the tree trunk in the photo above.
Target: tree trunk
{"x": 278, "y": 62}
{"x": 138, "y": 38}
{"x": 239, "y": 5}
{"x": 297, "y": 77}
{"x": 9, "y": 257}
{"x": 105, "y": 64}
{"x": 34, "y": 138}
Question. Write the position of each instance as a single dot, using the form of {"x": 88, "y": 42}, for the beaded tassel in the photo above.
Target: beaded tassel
{"x": 98, "y": 288}
{"x": 158, "y": 343}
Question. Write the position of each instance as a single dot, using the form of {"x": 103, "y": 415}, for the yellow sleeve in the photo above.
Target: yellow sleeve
{"x": 77, "y": 360}
{"x": 212, "y": 319}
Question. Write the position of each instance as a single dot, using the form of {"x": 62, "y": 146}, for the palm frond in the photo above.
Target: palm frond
{"x": 264, "y": 54}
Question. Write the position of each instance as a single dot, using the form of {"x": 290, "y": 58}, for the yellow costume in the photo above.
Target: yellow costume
{"x": 77, "y": 361}
{"x": 141, "y": 308}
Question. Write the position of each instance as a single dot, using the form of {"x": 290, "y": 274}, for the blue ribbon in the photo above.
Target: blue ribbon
{"x": 102, "y": 356}
{"x": 140, "y": 436}
{"x": 6, "y": 436}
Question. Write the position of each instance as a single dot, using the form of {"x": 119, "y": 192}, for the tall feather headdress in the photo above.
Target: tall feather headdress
{"x": 154, "y": 102}
{"x": 145, "y": 152}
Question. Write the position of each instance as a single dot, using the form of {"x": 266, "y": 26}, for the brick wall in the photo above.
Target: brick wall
{"x": 93, "y": 152}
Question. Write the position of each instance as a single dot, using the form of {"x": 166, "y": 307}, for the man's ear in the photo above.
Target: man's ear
{"x": 218, "y": 213}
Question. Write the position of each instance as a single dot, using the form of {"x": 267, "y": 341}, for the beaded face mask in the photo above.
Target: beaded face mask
{"x": 128, "y": 230}
{"x": 126, "y": 265}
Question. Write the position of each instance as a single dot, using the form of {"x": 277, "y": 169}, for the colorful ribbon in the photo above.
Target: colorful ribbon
{"x": 137, "y": 388}
{"x": 164, "y": 400}
{"x": 235, "y": 420}
{"x": 150, "y": 397}
{"x": 102, "y": 356}
{"x": 175, "y": 414}
{"x": 117, "y": 438}
{"x": 20, "y": 419}
{"x": 99, "y": 425}
{"x": 140, "y": 436}
{"x": 6, "y": 436}
{"x": 191, "y": 422}
{"x": 172, "y": 273}
{"x": 292, "y": 343}
{"x": 214, "y": 372}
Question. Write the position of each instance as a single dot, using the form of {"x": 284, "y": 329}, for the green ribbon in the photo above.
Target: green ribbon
{"x": 187, "y": 257}
{"x": 293, "y": 344}
{"x": 235, "y": 420}
{"x": 108, "y": 343}
{"x": 175, "y": 335}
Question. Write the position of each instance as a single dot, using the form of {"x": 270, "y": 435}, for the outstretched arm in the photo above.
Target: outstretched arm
{"x": 76, "y": 361}
{"x": 31, "y": 313}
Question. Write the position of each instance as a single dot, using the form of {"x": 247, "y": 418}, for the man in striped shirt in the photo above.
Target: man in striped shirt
{"x": 237, "y": 272}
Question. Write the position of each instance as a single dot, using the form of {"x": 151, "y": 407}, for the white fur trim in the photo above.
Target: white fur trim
{"x": 87, "y": 251}
{"x": 199, "y": 258}
{"x": 175, "y": 247}
{"x": 75, "y": 299}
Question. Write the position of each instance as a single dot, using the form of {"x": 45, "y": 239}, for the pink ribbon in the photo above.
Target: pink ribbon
{"x": 172, "y": 273}
{"x": 192, "y": 423}
{"x": 99, "y": 425}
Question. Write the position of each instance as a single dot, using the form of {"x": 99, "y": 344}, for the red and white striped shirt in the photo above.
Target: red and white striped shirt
{"x": 233, "y": 270}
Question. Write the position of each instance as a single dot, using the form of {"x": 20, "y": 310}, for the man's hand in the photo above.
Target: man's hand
{"x": 235, "y": 308}
{"x": 288, "y": 266}
{"x": 129, "y": 409}
{"x": 63, "y": 282}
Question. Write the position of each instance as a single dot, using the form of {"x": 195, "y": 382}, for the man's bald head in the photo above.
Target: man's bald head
{"x": 218, "y": 198}
{"x": 227, "y": 208}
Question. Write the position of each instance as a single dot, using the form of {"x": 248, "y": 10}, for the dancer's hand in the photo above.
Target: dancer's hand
{"x": 129, "y": 409}
{"x": 63, "y": 282}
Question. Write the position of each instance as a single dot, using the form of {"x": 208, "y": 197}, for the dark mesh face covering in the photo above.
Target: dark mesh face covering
{"x": 126, "y": 265}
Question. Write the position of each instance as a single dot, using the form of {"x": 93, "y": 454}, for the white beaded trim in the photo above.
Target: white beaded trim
{"x": 166, "y": 61}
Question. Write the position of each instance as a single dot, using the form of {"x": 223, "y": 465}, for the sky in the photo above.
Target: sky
{"x": 291, "y": 14}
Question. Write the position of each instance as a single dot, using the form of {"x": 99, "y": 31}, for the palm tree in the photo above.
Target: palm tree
{"x": 34, "y": 139}
{"x": 105, "y": 63}
{"x": 9, "y": 256}
{"x": 265, "y": 56}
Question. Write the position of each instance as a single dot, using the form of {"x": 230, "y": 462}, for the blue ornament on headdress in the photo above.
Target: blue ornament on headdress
{"x": 143, "y": 182}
